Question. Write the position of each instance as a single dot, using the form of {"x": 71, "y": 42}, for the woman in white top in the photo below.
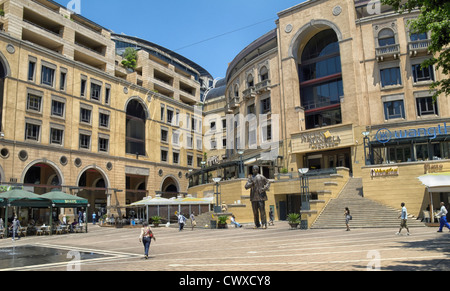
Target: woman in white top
{"x": 146, "y": 237}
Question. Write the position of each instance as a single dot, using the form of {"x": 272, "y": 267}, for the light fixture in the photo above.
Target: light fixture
{"x": 365, "y": 133}
{"x": 217, "y": 180}
{"x": 240, "y": 153}
{"x": 303, "y": 171}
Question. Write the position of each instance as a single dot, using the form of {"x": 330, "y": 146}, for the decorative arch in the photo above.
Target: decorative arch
{"x": 43, "y": 161}
{"x": 142, "y": 102}
{"x": 6, "y": 70}
{"x": 315, "y": 25}
{"x": 100, "y": 170}
{"x": 165, "y": 183}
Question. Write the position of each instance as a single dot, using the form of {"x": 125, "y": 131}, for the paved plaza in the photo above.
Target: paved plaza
{"x": 245, "y": 249}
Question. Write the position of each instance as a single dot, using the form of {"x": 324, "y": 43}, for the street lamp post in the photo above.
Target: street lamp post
{"x": 241, "y": 165}
{"x": 304, "y": 195}
{"x": 304, "y": 188}
{"x": 217, "y": 208}
{"x": 367, "y": 156}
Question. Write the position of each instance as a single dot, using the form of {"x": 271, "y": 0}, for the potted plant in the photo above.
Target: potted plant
{"x": 156, "y": 220}
{"x": 293, "y": 220}
{"x": 222, "y": 221}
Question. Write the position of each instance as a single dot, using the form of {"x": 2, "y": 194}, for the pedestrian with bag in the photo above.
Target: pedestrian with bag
{"x": 146, "y": 237}
{"x": 442, "y": 215}
{"x": 348, "y": 217}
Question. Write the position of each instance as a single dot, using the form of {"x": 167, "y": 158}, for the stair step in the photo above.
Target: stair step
{"x": 366, "y": 213}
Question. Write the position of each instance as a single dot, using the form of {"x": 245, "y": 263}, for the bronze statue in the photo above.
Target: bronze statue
{"x": 258, "y": 185}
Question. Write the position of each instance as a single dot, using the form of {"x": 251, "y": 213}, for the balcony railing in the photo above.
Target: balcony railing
{"x": 59, "y": 34}
{"x": 234, "y": 102}
{"x": 249, "y": 93}
{"x": 383, "y": 52}
{"x": 263, "y": 86}
{"x": 418, "y": 46}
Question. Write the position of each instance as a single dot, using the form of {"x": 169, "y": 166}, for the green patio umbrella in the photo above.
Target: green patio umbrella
{"x": 19, "y": 197}
{"x": 64, "y": 200}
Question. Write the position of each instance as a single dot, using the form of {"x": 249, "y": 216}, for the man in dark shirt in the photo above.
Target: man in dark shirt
{"x": 258, "y": 185}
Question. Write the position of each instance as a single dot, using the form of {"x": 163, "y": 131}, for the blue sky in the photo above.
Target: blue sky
{"x": 208, "y": 32}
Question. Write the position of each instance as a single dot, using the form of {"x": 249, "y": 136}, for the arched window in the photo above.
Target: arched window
{"x": 135, "y": 128}
{"x": 236, "y": 91}
{"x": 386, "y": 37}
{"x": 250, "y": 82}
{"x": 321, "y": 80}
{"x": 264, "y": 74}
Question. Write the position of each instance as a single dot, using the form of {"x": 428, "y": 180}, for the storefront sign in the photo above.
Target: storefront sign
{"x": 384, "y": 172}
{"x": 321, "y": 140}
{"x": 433, "y": 168}
{"x": 384, "y": 135}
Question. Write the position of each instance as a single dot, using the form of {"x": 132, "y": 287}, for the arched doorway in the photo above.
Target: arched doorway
{"x": 93, "y": 184}
{"x": 169, "y": 187}
{"x": 41, "y": 177}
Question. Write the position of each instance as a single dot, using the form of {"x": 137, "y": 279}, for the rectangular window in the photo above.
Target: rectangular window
{"x": 62, "y": 81}
{"x": 34, "y": 102}
{"x": 107, "y": 94}
{"x": 190, "y": 160}
{"x": 426, "y": 106}
{"x": 176, "y": 157}
{"x": 32, "y": 131}
{"x": 169, "y": 116}
{"x": 162, "y": 112}
{"x": 85, "y": 115}
{"x": 199, "y": 161}
{"x": 164, "y": 135}
{"x": 265, "y": 106}
{"x": 31, "y": 70}
{"x": 422, "y": 74}
{"x": 267, "y": 132}
{"x": 394, "y": 109}
{"x": 103, "y": 145}
{"x": 48, "y": 76}
{"x": 56, "y": 136}
{"x": 390, "y": 77}
{"x": 57, "y": 108}
{"x": 83, "y": 87}
{"x": 85, "y": 141}
{"x": 96, "y": 91}
{"x": 164, "y": 154}
{"x": 103, "y": 120}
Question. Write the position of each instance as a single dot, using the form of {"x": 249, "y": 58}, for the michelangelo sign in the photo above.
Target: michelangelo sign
{"x": 320, "y": 140}
{"x": 385, "y": 135}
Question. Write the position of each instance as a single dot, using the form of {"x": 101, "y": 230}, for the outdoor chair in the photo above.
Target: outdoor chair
{"x": 23, "y": 231}
{"x": 59, "y": 229}
{"x": 39, "y": 230}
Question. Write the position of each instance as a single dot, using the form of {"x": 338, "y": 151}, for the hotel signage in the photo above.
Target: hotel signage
{"x": 384, "y": 172}
{"x": 320, "y": 140}
{"x": 384, "y": 135}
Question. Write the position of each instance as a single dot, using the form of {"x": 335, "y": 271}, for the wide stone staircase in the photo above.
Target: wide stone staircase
{"x": 366, "y": 213}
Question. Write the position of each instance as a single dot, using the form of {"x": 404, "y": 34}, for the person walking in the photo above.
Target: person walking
{"x": 15, "y": 228}
{"x": 404, "y": 217}
{"x": 146, "y": 237}
{"x": 193, "y": 222}
{"x": 233, "y": 221}
{"x": 181, "y": 221}
{"x": 271, "y": 218}
{"x": 442, "y": 215}
{"x": 348, "y": 217}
